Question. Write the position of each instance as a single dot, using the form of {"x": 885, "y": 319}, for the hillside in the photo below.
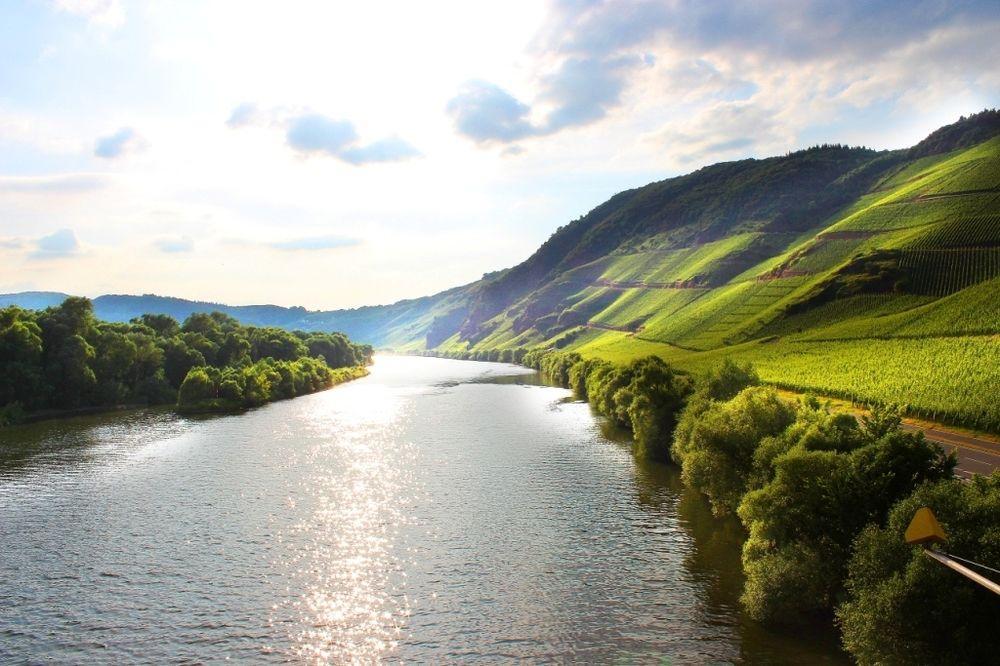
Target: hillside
{"x": 873, "y": 275}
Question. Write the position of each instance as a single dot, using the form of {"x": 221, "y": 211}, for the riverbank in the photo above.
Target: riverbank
{"x": 213, "y": 406}
{"x": 223, "y": 405}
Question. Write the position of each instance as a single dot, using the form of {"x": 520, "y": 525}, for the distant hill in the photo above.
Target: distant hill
{"x": 383, "y": 324}
{"x": 869, "y": 274}
{"x": 33, "y": 300}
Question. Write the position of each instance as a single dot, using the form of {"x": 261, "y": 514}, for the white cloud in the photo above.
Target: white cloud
{"x": 101, "y": 13}
{"x": 70, "y": 183}
{"x": 61, "y": 243}
{"x": 174, "y": 244}
{"x": 121, "y": 143}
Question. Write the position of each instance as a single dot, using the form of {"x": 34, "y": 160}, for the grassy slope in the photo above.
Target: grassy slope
{"x": 935, "y": 346}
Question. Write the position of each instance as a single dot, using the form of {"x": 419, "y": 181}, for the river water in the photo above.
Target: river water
{"x": 435, "y": 511}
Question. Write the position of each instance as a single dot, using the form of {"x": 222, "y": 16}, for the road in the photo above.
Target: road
{"x": 976, "y": 455}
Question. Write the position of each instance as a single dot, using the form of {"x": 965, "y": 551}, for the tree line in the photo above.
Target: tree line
{"x": 824, "y": 497}
{"x": 64, "y": 358}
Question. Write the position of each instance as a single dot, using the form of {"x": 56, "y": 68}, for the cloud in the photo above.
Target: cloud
{"x": 315, "y": 243}
{"x": 244, "y": 115}
{"x": 785, "y": 29}
{"x": 122, "y": 142}
{"x": 74, "y": 183}
{"x": 722, "y": 129}
{"x": 61, "y": 243}
{"x": 314, "y": 133}
{"x": 100, "y": 13}
{"x": 391, "y": 149}
{"x": 310, "y": 133}
{"x": 696, "y": 79}
{"x": 176, "y": 244}
{"x": 585, "y": 89}
{"x": 485, "y": 112}
{"x": 590, "y": 52}
{"x": 580, "y": 92}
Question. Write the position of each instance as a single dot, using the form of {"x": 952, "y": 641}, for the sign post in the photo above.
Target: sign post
{"x": 925, "y": 530}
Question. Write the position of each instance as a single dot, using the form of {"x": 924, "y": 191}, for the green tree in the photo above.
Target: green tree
{"x": 196, "y": 388}
{"x": 805, "y": 519}
{"x": 658, "y": 395}
{"x": 20, "y": 359}
{"x": 178, "y": 359}
{"x": 163, "y": 325}
{"x": 904, "y": 608}
{"x": 717, "y": 452}
{"x": 721, "y": 383}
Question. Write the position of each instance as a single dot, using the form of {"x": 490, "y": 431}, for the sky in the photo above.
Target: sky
{"x": 342, "y": 154}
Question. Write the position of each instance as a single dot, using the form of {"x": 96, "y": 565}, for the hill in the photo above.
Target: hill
{"x": 873, "y": 275}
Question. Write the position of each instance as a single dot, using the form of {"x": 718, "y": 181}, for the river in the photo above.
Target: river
{"x": 434, "y": 511}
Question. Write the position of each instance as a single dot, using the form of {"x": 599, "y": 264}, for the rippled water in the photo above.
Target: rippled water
{"x": 435, "y": 511}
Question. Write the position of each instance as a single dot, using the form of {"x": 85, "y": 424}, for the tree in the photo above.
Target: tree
{"x": 163, "y": 325}
{"x": 806, "y": 517}
{"x": 114, "y": 359}
{"x": 903, "y": 608}
{"x": 721, "y": 383}
{"x": 68, "y": 372}
{"x": 178, "y": 359}
{"x": 658, "y": 395}
{"x": 196, "y": 388}
{"x": 20, "y": 359}
{"x": 203, "y": 324}
{"x": 717, "y": 452}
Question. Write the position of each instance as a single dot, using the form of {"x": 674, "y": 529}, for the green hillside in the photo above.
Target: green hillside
{"x": 870, "y": 275}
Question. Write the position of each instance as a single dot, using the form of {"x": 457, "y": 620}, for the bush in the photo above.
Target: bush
{"x": 816, "y": 504}
{"x": 904, "y": 608}
{"x": 717, "y": 449}
{"x": 196, "y": 388}
{"x": 721, "y": 383}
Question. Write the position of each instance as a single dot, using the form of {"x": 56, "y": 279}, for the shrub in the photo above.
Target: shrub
{"x": 197, "y": 387}
{"x": 903, "y": 608}
{"x": 815, "y": 505}
{"x": 717, "y": 450}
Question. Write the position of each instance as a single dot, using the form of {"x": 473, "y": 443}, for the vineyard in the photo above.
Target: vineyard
{"x": 978, "y": 231}
{"x": 939, "y": 272}
{"x": 895, "y": 297}
{"x": 954, "y": 380}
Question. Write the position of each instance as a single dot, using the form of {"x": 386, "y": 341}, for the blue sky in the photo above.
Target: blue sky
{"x": 341, "y": 154}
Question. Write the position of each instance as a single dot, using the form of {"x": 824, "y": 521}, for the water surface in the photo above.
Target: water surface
{"x": 435, "y": 511}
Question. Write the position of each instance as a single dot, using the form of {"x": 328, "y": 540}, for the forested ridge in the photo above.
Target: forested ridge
{"x": 63, "y": 358}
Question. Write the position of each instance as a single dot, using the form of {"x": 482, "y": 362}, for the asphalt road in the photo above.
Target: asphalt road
{"x": 976, "y": 455}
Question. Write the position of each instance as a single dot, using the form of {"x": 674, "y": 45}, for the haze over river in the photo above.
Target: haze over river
{"x": 435, "y": 511}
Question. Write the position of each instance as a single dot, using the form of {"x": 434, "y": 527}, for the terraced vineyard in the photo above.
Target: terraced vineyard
{"x": 941, "y": 271}
{"x": 893, "y": 298}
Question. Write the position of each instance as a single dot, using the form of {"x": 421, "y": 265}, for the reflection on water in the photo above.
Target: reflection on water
{"x": 434, "y": 511}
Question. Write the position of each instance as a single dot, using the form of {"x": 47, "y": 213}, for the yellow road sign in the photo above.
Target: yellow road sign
{"x": 924, "y": 528}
